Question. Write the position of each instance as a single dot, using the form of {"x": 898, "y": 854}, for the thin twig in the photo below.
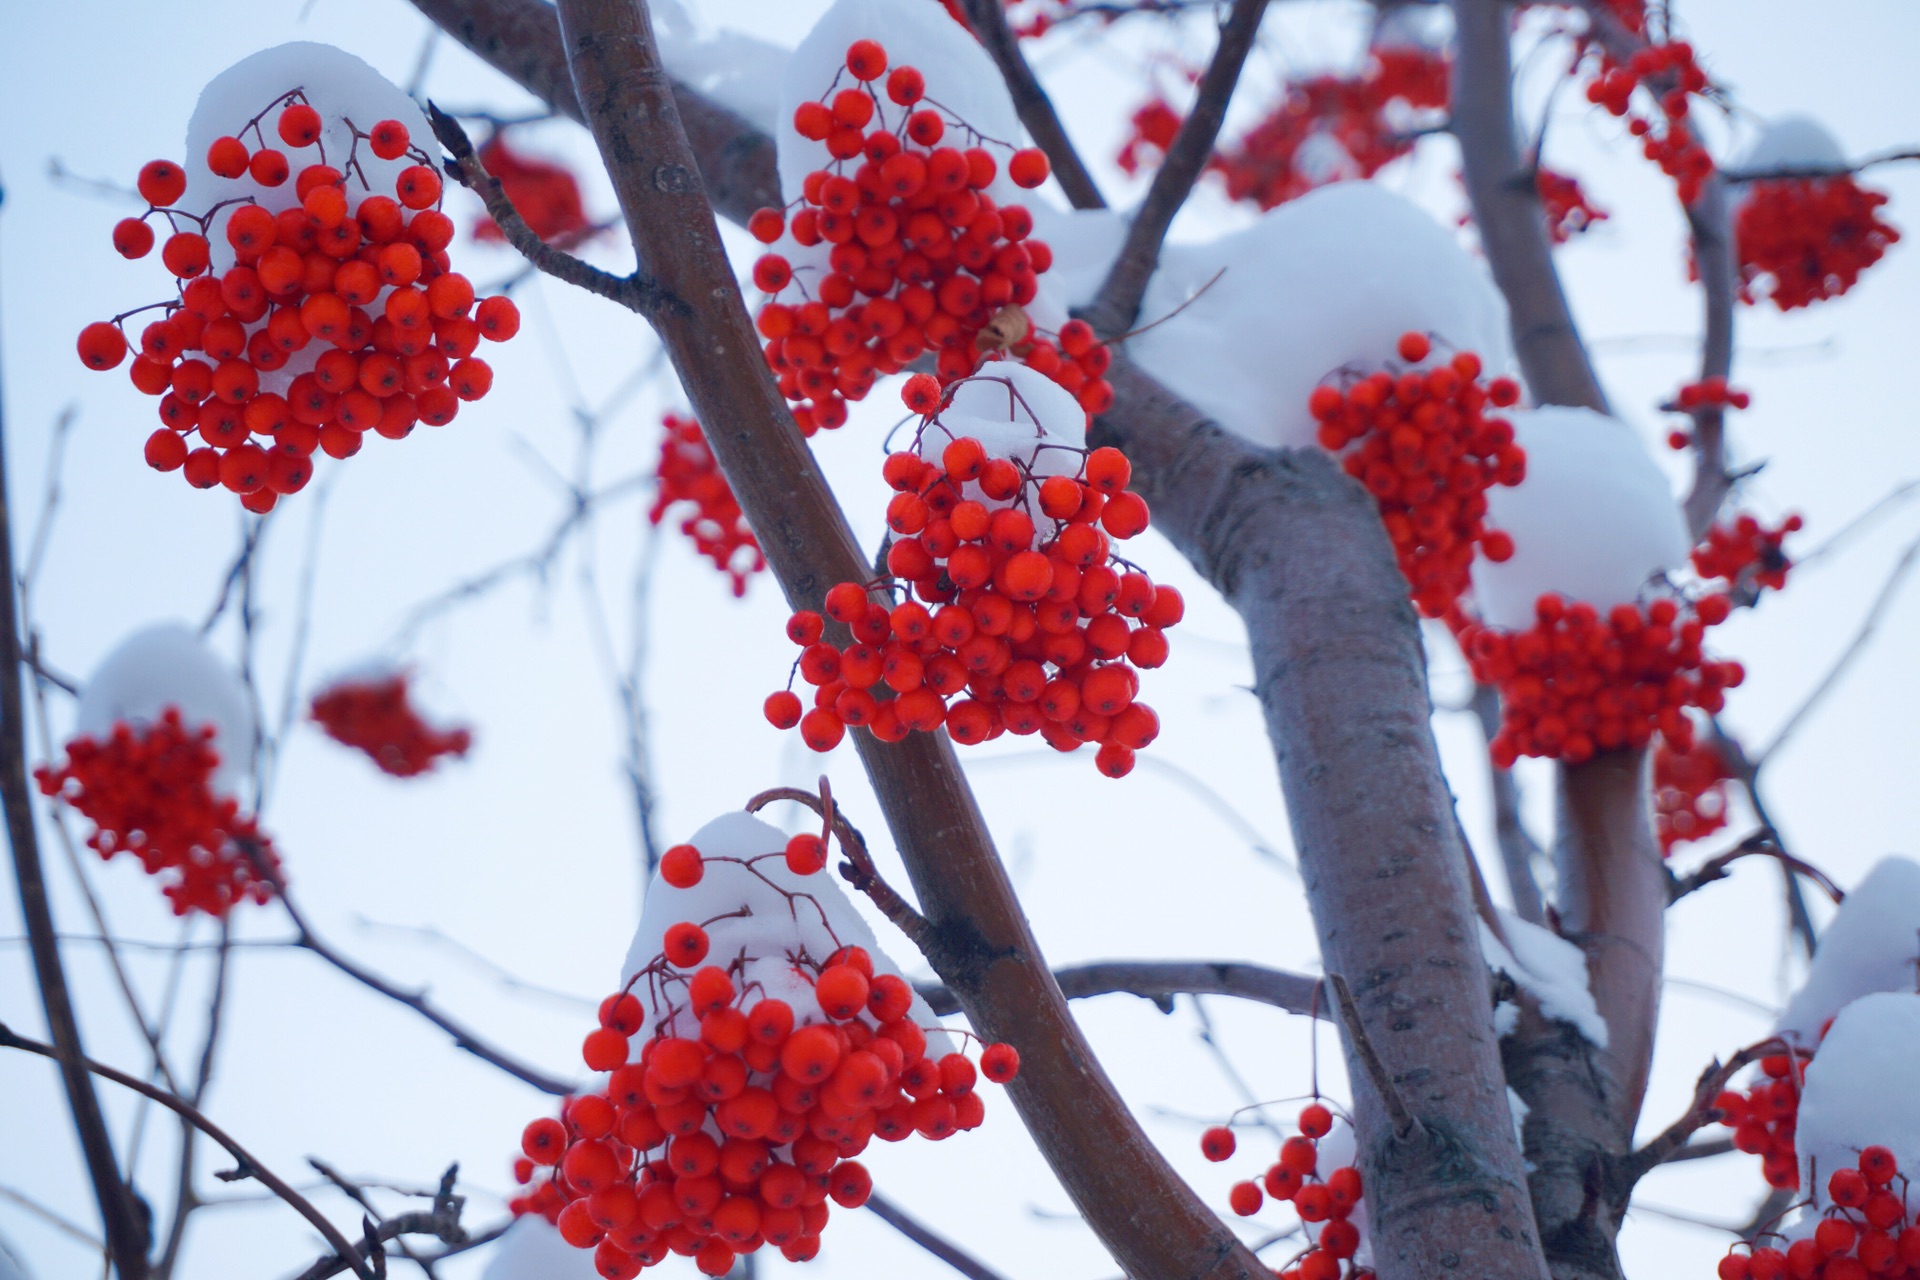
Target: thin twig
{"x": 1763, "y": 844}
{"x": 1876, "y": 613}
{"x": 924, "y": 1236}
{"x": 441, "y": 1222}
{"x": 1118, "y": 302}
{"x": 1810, "y": 172}
{"x": 64, "y": 1226}
{"x": 1702, "y": 1113}
{"x": 858, "y": 870}
{"x": 637, "y": 292}
{"x": 248, "y": 1166}
{"x": 1405, "y": 1123}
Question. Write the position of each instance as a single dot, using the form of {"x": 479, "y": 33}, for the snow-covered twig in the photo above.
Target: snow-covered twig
{"x": 1118, "y": 301}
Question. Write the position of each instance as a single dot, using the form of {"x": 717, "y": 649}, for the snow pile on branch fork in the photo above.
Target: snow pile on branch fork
{"x": 1329, "y": 281}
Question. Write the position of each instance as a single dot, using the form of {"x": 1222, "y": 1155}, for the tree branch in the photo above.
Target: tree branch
{"x": 127, "y": 1236}
{"x": 982, "y": 945}
{"x": 1673, "y": 1139}
{"x": 249, "y": 1167}
{"x": 1161, "y": 980}
{"x": 934, "y": 1243}
{"x": 1517, "y": 847}
{"x": 1506, "y": 209}
{"x": 989, "y": 21}
{"x": 1118, "y": 303}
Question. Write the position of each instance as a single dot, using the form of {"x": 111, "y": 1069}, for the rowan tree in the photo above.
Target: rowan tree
{"x": 880, "y": 315}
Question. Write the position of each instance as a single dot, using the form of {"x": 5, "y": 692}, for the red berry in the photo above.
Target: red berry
{"x": 682, "y": 866}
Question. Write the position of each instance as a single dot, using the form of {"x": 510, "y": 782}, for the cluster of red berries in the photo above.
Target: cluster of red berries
{"x": 734, "y": 1136}
{"x": 1747, "y": 554}
{"x": 307, "y": 274}
{"x": 1576, "y": 683}
{"x": 1327, "y": 1202}
{"x": 1280, "y": 157}
{"x": 1671, "y": 144}
{"x": 1706, "y": 394}
{"x": 147, "y": 792}
{"x": 1867, "y": 1230}
{"x": 1765, "y": 1117}
{"x": 546, "y": 195}
{"x": 1422, "y": 443}
{"x": 1569, "y": 212}
{"x": 1036, "y": 626}
{"x": 1803, "y": 241}
{"x": 922, "y": 258}
{"x": 1689, "y": 792}
{"x": 687, "y": 472}
{"x": 376, "y": 717}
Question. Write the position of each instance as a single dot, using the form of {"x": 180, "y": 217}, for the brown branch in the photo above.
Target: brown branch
{"x": 1673, "y": 1138}
{"x": 1518, "y": 849}
{"x": 1118, "y": 303}
{"x": 858, "y": 870}
{"x": 933, "y": 1242}
{"x": 1747, "y": 773}
{"x": 442, "y": 1221}
{"x": 1763, "y": 844}
{"x": 1705, "y": 1149}
{"x": 126, "y": 1235}
{"x": 989, "y": 21}
{"x": 635, "y": 292}
{"x": 521, "y": 40}
{"x": 1161, "y": 980}
{"x": 248, "y": 1166}
{"x": 982, "y": 945}
{"x": 1506, "y": 209}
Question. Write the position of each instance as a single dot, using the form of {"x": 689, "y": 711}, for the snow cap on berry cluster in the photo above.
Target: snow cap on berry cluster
{"x": 1858, "y": 1090}
{"x": 532, "y": 1249}
{"x": 1871, "y": 945}
{"x": 336, "y": 84}
{"x": 1550, "y": 969}
{"x": 1325, "y": 282}
{"x": 734, "y": 68}
{"x": 1593, "y": 521}
{"x": 164, "y": 666}
{"x": 778, "y": 927}
{"x": 1792, "y": 142}
{"x": 1016, "y": 413}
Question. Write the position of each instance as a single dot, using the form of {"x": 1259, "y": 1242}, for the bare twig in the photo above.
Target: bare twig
{"x": 1876, "y": 613}
{"x": 989, "y": 21}
{"x": 442, "y": 1221}
{"x": 933, "y": 1242}
{"x": 1118, "y": 301}
{"x": 66, "y": 1227}
{"x": 637, "y": 292}
{"x": 248, "y": 1166}
{"x": 1674, "y": 1137}
{"x": 1405, "y": 1123}
{"x": 858, "y": 870}
{"x": 1763, "y": 844}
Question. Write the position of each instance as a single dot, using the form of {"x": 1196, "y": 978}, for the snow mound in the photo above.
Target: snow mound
{"x": 1791, "y": 142}
{"x": 1855, "y": 1093}
{"x": 1550, "y": 969}
{"x": 1018, "y": 413}
{"x": 532, "y": 1249}
{"x": 338, "y": 85}
{"x": 167, "y": 666}
{"x": 1325, "y": 282}
{"x": 1594, "y": 520}
{"x": 739, "y": 71}
{"x": 814, "y": 923}
{"x": 1872, "y": 945}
